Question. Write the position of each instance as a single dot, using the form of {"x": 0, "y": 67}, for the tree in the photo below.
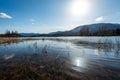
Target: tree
{"x": 84, "y": 31}
{"x": 7, "y": 32}
{"x": 11, "y": 34}
{"x": 102, "y": 31}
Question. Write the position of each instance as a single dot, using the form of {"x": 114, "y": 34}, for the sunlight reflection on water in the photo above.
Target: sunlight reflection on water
{"x": 7, "y": 57}
{"x": 79, "y": 55}
{"x": 78, "y": 64}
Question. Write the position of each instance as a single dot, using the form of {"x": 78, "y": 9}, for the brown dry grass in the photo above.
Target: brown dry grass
{"x": 15, "y": 40}
{"x": 9, "y": 40}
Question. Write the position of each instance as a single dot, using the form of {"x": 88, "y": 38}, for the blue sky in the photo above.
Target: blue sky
{"x": 44, "y": 16}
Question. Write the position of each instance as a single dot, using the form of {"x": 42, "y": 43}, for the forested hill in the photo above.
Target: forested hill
{"x": 101, "y": 29}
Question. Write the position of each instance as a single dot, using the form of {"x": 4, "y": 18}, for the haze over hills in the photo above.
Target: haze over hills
{"x": 93, "y": 28}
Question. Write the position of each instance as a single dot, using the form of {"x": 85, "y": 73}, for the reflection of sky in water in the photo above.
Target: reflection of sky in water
{"x": 91, "y": 39}
{"x": 78, "y": 56}
{"x": 53, "y": 47}
{"x": 8, "y": 56}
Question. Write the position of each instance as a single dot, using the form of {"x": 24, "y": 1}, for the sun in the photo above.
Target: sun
{"x": 77, "y": 8}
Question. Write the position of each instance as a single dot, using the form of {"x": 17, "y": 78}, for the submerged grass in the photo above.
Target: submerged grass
{"x": 34, "y": 67}
{"x": 48, "y": 67}
{"x": 105, "y": 45}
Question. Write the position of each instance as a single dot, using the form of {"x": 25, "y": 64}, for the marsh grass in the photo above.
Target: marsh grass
{"x": 34, "y": 67}
{"x": 105, "y": 45}
{"x": 117, "y": 47}
{"x": 36, "y": 49}
{"x": 48, "y": 67}
{"x": 9, "y": 40}
{"x": 44, "y": 50}
{"x": 37, "y": 67}
{"x": 15, "y": 40}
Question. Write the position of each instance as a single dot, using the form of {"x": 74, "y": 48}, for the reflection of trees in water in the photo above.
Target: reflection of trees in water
{"x": 44, "y": 50}
{"x": 68, "y": 50}
{"x": 106, "y": 46}
{"x": 117, "y": 47}
{"x": 36, "y": 49}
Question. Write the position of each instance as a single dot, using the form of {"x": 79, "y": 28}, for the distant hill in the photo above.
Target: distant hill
{"x": 93, "y": 28}
{"x": 100, "y": 29}
{"x": 32, "y": 34}
{"x": 28, "y": 34}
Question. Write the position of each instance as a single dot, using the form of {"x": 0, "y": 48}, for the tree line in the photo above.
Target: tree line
{"x": 102, "y": 31}
{"x": 84, "y": 31}
{"x": 10, "y": 34}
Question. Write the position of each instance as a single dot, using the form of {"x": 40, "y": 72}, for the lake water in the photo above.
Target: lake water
{"x": 80, "y": 57}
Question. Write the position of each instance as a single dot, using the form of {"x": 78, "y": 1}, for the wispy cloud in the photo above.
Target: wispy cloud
{"x": 4, "y": 15}
{"x": 98, "y": 19}
{"x": 32, "y": 21}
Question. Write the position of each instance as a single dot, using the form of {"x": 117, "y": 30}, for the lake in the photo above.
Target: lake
{"x": 79, "y": 58}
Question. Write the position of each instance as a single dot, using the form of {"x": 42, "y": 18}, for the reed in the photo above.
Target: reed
{"x": 15, "y": 40}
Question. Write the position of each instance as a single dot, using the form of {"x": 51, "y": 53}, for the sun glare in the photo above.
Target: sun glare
{"x": 79, "y": 8}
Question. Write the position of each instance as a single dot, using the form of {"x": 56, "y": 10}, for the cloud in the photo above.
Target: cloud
{"x": 4, "y": 15}
{"x": 99, "y": 19}
{"x": 32, "y": 21}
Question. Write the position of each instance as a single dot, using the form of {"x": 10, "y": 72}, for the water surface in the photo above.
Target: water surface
{"x": 87, "y": 59}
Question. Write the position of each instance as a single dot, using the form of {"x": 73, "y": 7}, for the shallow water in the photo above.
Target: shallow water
{"x": 79, "y": 58}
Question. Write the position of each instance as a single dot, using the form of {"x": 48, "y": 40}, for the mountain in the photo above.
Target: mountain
{"x": 93, "y": 28}
{"x": 53, "y": 33}
{"x": 32, "y": 34}
{"x": 28, "y": 34}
